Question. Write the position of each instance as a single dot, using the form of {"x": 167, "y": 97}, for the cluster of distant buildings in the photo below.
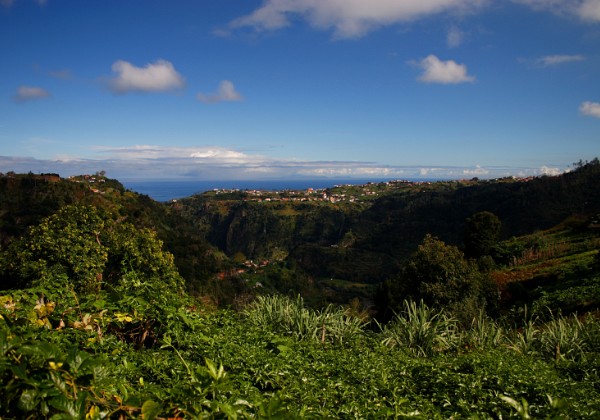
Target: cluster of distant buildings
{"x": 338, "y": 193}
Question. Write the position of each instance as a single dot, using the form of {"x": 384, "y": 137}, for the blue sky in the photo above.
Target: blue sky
{"x": 228, "y": 89}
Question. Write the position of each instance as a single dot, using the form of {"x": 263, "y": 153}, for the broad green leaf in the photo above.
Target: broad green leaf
{"x": 151, "y": 409}
{"x": 65, "y": 405}
{"x": 19, "y": 371}
{"x": 28, "y": 400}
{"x": 212, "y": 368}
{"x": 63, "y": 416}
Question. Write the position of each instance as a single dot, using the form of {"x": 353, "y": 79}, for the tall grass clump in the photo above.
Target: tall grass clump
{"x": 558, "y": 338}
{"x": 591, "y": 333}
{"x": 338, "y": 325}
{"x": 289, "y": 316}
{"x": 525, "y": 339}
{"x": 421, "y": 330}
{"x": 484, "y": 333}
{"x": 562, "y": 339}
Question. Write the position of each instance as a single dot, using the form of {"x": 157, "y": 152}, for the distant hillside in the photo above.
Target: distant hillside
{"x": 366, "y": 241}
{"x": 397, "y": 222}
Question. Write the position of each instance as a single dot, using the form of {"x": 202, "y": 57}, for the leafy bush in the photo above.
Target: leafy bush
{"x": 482, "y": 232}
{"x": 89, "y": 248}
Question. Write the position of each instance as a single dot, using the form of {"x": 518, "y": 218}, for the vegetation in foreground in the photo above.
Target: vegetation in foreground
{"x": 67, "y": 356}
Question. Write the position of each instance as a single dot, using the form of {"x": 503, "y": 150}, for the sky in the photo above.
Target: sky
{"x": 285, "y": 89}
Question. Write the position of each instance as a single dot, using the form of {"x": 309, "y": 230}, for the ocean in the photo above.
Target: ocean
{"x": 163, "y": 190}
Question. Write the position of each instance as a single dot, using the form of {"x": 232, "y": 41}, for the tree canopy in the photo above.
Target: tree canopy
{"x": 439, "y": 275}
{"x": 88, "y": 248}
{"x": 482, "y": 233}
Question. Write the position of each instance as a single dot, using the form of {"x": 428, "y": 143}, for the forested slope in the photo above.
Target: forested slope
{"x": 395, "y": 223}
{"x": 367, "y": 243}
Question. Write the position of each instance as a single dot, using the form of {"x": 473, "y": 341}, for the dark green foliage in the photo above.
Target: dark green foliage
{"x": 104, "y": 329}
{"x": 344, "y": 263}
{"x": 368, "y": 241}
{"x": 71, "y": 356}
{"x": 482, "y": 233}
{"x": 396, "y": 223}
{"x": 87, "y": 247}
{"x": 439, "y": 275}
{"x": 26, "y": 199}
{"x": 258, "y": 229}
{"x": 66, "y": 244}
{"x": 132, "y": 344}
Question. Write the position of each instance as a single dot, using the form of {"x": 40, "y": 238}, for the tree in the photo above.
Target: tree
{"x": 481, "y": 234}
{"x": 90, "y": 249}
{"x": 440, "y": 275}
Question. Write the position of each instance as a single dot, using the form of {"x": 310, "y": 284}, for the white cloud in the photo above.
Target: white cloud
{"x": 586, "y": 10}
{"x": 554, "y": 60}
{"x": 590, "y": 10}
{"x": 160, "y": 76}
{"x": 444, "y": 72}
{"x": 546, "y": 170}
{"x": 477, "y": 171}
{"x": 215, "y": 153}
{"x": 349, "y": 18}
{"x": 454, "y": 37}
{"x": 30, "y": 93}
{"x": 225, "y": 93}
{"x": 591, "y": 109}
{"x": 218, "y": 153}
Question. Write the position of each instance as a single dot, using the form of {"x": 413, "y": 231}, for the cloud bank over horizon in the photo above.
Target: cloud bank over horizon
{"x": 219, "y": 163}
